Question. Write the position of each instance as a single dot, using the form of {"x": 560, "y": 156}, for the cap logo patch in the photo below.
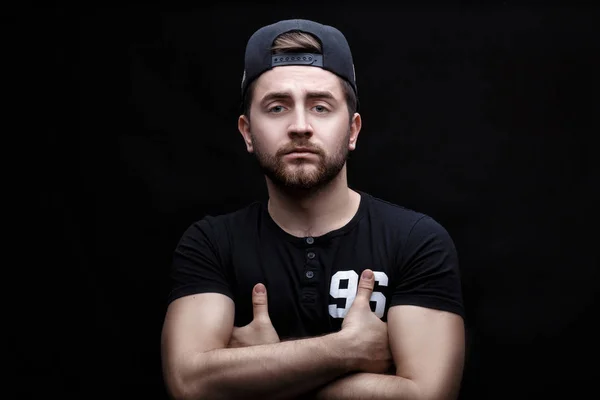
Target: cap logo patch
{"x": 297, "y": 59}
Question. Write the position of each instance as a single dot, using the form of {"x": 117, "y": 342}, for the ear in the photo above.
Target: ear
{"x": 355, "y": 126}
{"x": 244, "y": 128}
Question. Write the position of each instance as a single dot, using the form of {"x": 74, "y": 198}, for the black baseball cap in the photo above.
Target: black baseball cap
{"x": 336, "y": 56}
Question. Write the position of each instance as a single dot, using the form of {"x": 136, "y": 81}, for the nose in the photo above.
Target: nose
{"x": 300, "y": 126}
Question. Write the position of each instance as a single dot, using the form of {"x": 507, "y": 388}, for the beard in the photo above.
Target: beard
{"x": 300, "y": 174}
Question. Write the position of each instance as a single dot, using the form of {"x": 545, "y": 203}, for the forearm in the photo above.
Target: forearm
{"x": 278, "y": 371}
{"x": 368, "y": 386}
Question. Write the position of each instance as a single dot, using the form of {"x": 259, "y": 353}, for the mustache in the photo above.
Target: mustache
{"x": 299, "y": 146}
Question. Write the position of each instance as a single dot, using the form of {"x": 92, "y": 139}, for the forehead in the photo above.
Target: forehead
{"x": 298, "y": 79}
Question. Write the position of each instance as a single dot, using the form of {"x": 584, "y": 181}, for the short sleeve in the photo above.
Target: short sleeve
{"x": 197, "y": 264}
{"x": 429, "y": 274}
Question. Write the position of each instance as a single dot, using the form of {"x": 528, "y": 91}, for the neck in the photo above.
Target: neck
{"x": 313, "y": 212}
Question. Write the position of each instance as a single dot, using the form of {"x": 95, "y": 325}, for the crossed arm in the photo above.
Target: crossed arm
{"x": 428, "y": 351}
{"x": 427, "y": 347}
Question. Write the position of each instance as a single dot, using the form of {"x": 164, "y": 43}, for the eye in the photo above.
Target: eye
{"x": 321, "y": 109}
{"x": 276, "y": 109}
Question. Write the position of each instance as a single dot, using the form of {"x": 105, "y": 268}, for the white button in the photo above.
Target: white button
{"x": 310, "y": 240}
{"x": 309, "y": 274}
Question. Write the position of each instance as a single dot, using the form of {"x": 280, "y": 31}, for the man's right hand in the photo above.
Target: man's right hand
{"x": 367, "y": 333}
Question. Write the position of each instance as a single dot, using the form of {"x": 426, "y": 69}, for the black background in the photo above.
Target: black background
{"x": 484, "y": 117}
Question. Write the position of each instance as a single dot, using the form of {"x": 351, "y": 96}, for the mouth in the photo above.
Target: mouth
{"x": 298, "y": 155}
{"x": 301, "y": 150}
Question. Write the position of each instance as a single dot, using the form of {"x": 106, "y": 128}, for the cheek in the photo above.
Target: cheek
{"x": 265, "y": 138}
{"x": 339, "y": 139}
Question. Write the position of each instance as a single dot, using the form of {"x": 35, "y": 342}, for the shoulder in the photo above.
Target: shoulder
{"x": 385, "y": 209}
{"x": 405, "y": 221}
{"x": 391, "y": 214}
{"x": 222, "y": 225}
{"x": 237, "y": 217}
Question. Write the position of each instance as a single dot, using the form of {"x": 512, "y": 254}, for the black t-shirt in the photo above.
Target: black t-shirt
{"x": 311, "y": 281}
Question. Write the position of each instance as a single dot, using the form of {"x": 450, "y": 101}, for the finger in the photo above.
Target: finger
{"x": 365, "y": 286}
{"x": 259, "y": 302}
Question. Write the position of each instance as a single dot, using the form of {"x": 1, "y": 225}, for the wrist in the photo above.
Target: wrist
{"x": 343, "y": 346}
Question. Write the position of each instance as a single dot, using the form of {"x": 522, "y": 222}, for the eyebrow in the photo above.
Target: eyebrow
{"x": 319, "y": 94}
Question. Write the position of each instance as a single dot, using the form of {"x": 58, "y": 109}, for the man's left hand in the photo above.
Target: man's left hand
{"x": 260, "y": 330}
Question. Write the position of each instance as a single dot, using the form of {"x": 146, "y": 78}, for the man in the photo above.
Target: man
{"x": 321, "y": 291}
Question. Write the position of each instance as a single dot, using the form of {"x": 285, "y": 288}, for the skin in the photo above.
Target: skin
{"x": 205, "y": 356}
{"x": 198, "y": 365}
{"x": 311, "y": 201}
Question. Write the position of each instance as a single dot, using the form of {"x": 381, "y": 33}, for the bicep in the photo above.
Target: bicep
{"x": 195, "y": 324}
{"x": 428, "y": 347}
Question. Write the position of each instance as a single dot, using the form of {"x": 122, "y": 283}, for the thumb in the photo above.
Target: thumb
{"x": 365, "y": 286}
{"x": 259, "y": 302}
